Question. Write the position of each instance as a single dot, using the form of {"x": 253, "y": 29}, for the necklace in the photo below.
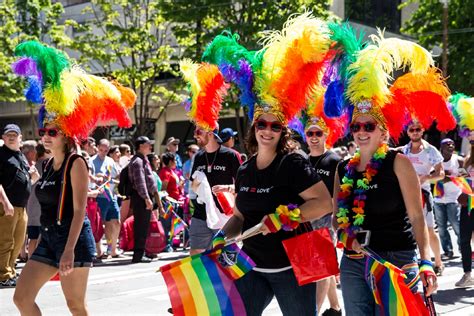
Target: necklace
{"x": 320, "y": 157}
{"x": 49, "y": 174}
{"x": 362, "y": 185}
{"x": 209, "y": 166}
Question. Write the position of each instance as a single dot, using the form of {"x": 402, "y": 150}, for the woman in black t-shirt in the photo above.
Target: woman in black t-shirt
{"x": 66, "y": 244}
{"x": 270, "y": 178}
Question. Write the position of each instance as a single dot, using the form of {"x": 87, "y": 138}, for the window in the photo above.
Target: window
{"x": 375, "y": 13}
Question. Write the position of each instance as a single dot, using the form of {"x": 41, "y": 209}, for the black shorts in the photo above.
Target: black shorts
{"x": 33, "y": 232}
{"x": 54, "y": 239}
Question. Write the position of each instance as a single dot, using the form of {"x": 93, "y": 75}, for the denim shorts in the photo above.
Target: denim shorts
{"x": 109, "y": 209}
{"x": 54, "y": 239}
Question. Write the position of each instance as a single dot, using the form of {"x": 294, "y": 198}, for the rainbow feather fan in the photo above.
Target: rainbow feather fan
{"x": 208, "y": 88}
{"x": 371, "y": 71}
{"x": 463, "y": 110}
{"x": 293, "y": 62}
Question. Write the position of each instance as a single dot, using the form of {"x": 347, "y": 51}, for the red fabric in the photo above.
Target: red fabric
{"x": 155, "y": 242}
{"x": 173, "y": 189}
{"x": 312, "y": 256}
{"x": 93, "y": 213}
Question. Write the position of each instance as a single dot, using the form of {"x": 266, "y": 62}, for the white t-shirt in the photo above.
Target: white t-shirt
{"x": 423, "y": 161}
{"x": 451, "y": 191}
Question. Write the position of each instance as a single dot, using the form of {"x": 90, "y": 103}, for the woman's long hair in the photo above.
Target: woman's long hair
{"x": 470, "y": 160}
{"x": 251, "y": 143}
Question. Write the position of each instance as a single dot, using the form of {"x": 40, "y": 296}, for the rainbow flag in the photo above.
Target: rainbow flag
{"x": 169, "y": 211}
{"x": 463, "y": 184}
{"x": 201, "y": 285}
{"x": 390, "y": 292}
{"x": 177, "y": 226}
{"x": 470, "y": 204}
{"x": 439, "y": 189}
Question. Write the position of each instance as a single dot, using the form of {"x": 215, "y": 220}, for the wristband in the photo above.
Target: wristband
{"x": 426, "y": 267}
{"x": 285, "y": 217}
{"x": 218, "y": 241}
{"x": 273, "y": 223}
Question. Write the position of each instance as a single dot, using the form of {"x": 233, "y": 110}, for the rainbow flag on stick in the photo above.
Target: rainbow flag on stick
{"x": 390, "y": 292}
{"x": 177, "y": 226}
{"x": 463, "y": 184}
{"x": 201, "y": 285}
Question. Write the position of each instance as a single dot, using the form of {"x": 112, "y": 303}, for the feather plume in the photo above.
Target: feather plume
{"x": 371, "y": 71}
{"x": 33, "y": 92}
{"x": 27, "y": 67}
{"x": 293, "y": 61}
{"x": 463, "y": 108}
{"x": 51, "y": 62}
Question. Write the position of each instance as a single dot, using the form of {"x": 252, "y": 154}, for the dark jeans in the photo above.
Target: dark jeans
{"x": 357, "y": 295}
{"x": 467, "y": 227}
{"x": 257, "y": 290}
{"x": 141, "y": 224}
{"x": 444, "y": 213}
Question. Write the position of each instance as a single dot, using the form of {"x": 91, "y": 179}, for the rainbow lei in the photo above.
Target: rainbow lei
{"x": 359, "y": 193}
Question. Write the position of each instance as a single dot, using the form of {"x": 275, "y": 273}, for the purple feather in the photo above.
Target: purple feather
{"x": 27, "y": 67}
{"x": 187, "y": 105}
{"x": 331, "y": 73}
{"x": 296, "y": 125}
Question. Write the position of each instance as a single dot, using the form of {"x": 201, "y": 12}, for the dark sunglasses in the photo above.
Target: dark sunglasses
{"x": 369, "y": 127}
{"x": 51, "y": 132}
{"x": 315, "y": 133}
{"x": 412, "y": 130}
{"x": 198, "y": 132}
{"x": 274, "y": 126}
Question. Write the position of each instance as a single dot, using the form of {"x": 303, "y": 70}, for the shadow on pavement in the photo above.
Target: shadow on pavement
{"x": 454, "y": 296}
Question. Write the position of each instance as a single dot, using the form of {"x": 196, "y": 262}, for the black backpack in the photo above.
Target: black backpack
{"x": 125, "y": 185}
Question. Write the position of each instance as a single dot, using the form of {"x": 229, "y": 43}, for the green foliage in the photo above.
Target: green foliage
{"x": 426, "y": 25}
{"x": 131, "y": 41}
{"x": 26, "y": 20}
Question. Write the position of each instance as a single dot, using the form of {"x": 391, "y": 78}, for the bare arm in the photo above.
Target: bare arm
{"x": 317, "y": 202}
{"x": 437, "y": 175}
{"x": 78, "y": 174}
{"x": 234, "y": 225}
{"x": 336, "y": 190}
{"x": 7, "y": 206}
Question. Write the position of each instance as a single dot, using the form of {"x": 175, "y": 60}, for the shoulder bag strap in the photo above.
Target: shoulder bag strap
{"x": 62, "y": 194}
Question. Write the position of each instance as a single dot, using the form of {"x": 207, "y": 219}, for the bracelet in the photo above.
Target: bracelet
{"x": 286, "y": 217}
{"x": 425, "y": 262}
{"x": 218, "y": 241}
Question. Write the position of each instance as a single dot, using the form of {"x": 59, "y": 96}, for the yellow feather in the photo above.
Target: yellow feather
{"x": 466, "y": 111}
{"x": 376, "y": 63}
{"x": 189, "y": 70}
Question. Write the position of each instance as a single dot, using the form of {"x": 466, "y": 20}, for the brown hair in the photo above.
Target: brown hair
{"x": 251, "y": 143}
{"x": 70, "y": 145}
{"x": 469, "y": 162}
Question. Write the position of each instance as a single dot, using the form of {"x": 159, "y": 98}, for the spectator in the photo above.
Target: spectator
{"x": 191, "y": 151}
{"x": 351, "y": 148}
{"x": 170, "y": 180}
{"x": 227, "y": 136}
{"x": 172, "y": 146}
{"x": 125, "y": 155}
{"x": 447, "y": 208}
{"x": 143, "y": 191}
{"x": 106, "y": 171}
{"x": 28, "y": 148}
{"x": 89, "y": 146}
{"x": 15, "y": 187}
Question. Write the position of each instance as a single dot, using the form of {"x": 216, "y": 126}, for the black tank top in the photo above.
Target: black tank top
{"x": 48, "y": 192}
{"x": 386, "y": 214}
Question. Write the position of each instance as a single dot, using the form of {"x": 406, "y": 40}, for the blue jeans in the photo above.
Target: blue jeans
{"x": 445, "y": 212}
{"x": 356, "y": 293}
{"x": 257, "y": 290}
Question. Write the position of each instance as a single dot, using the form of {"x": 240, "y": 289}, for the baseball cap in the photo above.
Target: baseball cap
{"x": 11, "y": 128}
{"x": 143, "y": 140}
{"x": 226, "y": 134}
{"x": 172, "y": 140}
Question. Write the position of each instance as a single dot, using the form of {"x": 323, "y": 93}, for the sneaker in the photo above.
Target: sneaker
{"x": 142, "y": 260}
{"x": 438, "y": 270}
{"x": 332, "y": 312}
{"x": 466, "y": 281}
{"x": 8, "y": 283}
{"x": 447, "y": 256}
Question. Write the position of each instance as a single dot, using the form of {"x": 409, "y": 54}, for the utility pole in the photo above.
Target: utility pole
{"x": 444, "y": 56}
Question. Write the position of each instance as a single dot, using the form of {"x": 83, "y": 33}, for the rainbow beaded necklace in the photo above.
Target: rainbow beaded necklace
{"x": 358, "y": 204}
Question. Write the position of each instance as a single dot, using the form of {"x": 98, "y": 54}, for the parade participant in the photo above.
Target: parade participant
{"x": 191, "y": 151}
{"x": 69, "y": 113}
{"x": 15, "y": 188}
{"x": 273, "y": 177}
{"x": 425, "y": 158}
{"x": 377, "y": 190}
{"x": 446, "y": 203}
{"x": 320, "y": 133}
{"x": 463, "y": 110}
{"x": 106, "y": 169}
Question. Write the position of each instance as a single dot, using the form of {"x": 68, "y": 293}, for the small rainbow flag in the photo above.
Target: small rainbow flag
{"x": 439, "y": 189}
{"x": 169, "y": 211}
{"x": 201, "y": 285}
{"x": 470, "y": 204}
{"x": 463, "y": 184}
{"x": 177, "y": 226}
{"x": 390, "y": 292}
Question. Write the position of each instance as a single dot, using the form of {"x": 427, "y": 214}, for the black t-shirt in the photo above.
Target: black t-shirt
{"x": 14, "y": 176}
{"x": 386, "y": 214}
{"x": 220, "y": 167}
{"x": 325, "y": 166}
{"x": 260, "y": 192}
{"x": 48, "y": 190}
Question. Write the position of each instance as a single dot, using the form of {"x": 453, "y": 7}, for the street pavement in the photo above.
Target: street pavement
{"x": 117, "y": 287}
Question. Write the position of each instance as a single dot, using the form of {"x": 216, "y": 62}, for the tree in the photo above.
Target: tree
{"x": 26, "y": 20}
{"x": 196, "y": 22}
{"x": 426, "y": 25}
{"x": 131, "y": 41}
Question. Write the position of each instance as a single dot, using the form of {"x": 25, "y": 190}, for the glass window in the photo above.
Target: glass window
{"x": 381, "y": 13}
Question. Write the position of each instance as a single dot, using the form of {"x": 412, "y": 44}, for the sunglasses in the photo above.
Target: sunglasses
{"x": 198, "y": 132}
{"x": 369, "y": 127}
{"x": 274, "y": 126}
{"x": 413, "y": 130}
{"x": 51, "y": 132}
{"x": 315, "y": 133}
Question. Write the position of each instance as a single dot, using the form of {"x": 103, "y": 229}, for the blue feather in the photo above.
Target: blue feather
{"x": 334, "y": 101}
{"x": 34, "y": 91}
{"x": 41, "y": 116}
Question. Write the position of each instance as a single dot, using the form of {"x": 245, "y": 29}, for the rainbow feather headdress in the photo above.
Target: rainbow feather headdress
{"x": 71, "y": 98}
{"x": 278, "y": 78}
{"x": 421, "y": 93}
{"x": 462, "y": 107}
